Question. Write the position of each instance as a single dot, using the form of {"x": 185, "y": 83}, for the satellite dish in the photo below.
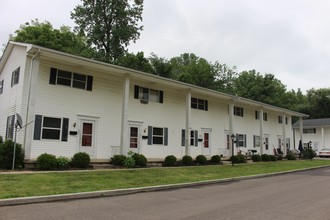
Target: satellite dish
{"x": 19, "y": 122}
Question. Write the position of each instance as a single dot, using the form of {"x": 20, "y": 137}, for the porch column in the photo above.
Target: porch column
{"x": 322, "y": 137}
{"x": 124, "y": 117}
{"x": 261, "y": 120}
{"x": 231, "y": 127}
{"x": 284, "y": 134}
{"x": 301, "y": 129}
{"x": 187, "y": 128}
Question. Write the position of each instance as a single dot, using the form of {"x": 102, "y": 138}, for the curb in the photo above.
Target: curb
{"x": 121, "y": 192}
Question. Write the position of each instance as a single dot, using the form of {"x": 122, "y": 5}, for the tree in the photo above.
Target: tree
{"x": 135, "y": 61}
{"x": 318, "y": 103}
{"x": 161, "y": 66}
{"x": 43, "y": 34}
{"x": 225, "y": 78}
{"x": 110, "y": 25}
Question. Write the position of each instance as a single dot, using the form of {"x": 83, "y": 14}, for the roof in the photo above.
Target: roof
{"x": 33, "y": 50}
{"x": 312, "y": 123}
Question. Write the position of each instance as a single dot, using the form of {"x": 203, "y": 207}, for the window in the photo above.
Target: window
{"x": 87, "y": 135}
{"x": 157, "y": 135}
{"x": 134, "y": 132}
{"x": 238, "y": 111}
{"x": 200, "y": 104}
{"x": 241, "y": 140}
{"x": 256, "y": 141}
{"x": 265, "y": 116}
{"x": 286, "y": 120}
{"x": 15, "y": 77}
{"x": 146, "y": 94}
{"x": 266, "y": 143}
{"x": 309, "y": 130}
{"x": 51, "y": 128}
{"x": 228, "y": 141}
{"x": 1, "y": 87}
{"x": 66, "y": 78}
{"x": 193, "y": 138}
{"x": 10, "y": 127}
{"x": 280, "y": 119}
{"x": 258, "y": 117}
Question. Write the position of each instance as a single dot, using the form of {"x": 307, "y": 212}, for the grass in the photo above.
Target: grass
{"x": 37, "y": 184}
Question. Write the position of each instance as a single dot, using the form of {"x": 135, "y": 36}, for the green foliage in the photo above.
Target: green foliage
{"x": 290, "y": 156}
{"x": 136, "y": 62}
{"x": 256, "y": 158}
{"x": 318, "y": 103}
{"x": 6, "y": 155}
{"x": 63, "y": 163}
{"x": 272, "y": 158}
{"x": 242, "y": 158}
{"x": 46, "y": 162}
{"x": 129, "y": 162}
{"x": 170, "y": 160}
{"x": 160, "y": 66}
{"x": 109, "y": 25}
{"x": 140, "y": 160}
{"x": 80, "y": 160}
{"x": 215, "y": 159}
{"x": 309, "y": 153}
{"x": 235, "y": 159}
{"x": 265, "y": 157}
{"x": 1, "y": 140}
{"x": 279, "y": 157}
{"x": 201, "y": 159}
{"x": 187, "y": 160}
{"x": 118, "y": 160}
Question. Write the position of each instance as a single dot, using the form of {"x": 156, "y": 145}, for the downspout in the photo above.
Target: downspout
{"x": 29, "y": 96}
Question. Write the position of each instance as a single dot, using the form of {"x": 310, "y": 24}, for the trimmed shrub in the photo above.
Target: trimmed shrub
{"x": 242, "y": 158}
{"x": 265, "y": 157}
{"x": 309, "y": 153}
{"x": 170, "y": 161}
{"x": 118, "y": 160}
{"x": 6, "y": 155}
{"x": 140, "y": 160}
{"x": 256, "y": 158}
{"x": 290, "y": 156}
{"x": 279, "y": 157}
{"x": 235, "y": 159}
{"x": 201, "y": 159}
{"x": 187, "y": 160}
{"x": 80, "y": 160}
{"x": 129, "y": 162}
{"x": 272, "y": 158}
{"x": 215, "y": 159}
{"x": 46, "y": 162}
{"x": 63, "y": 163}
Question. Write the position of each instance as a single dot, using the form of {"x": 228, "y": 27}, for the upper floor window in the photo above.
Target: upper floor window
{"x": 238, "y": 111}
{"x": 15, "y": 77}
{"x": 199, "y": 104}
{"x": 280, "y": 119}
{"x": 146, "y": 94}
{"x": 257, "y": 115}
{"x": 309, "y": 130}
{"x": 1, "y": 87}
{"x": 66, "y": 78}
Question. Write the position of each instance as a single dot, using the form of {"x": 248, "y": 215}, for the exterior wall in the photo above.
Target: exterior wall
{"x": 314, "y": 138}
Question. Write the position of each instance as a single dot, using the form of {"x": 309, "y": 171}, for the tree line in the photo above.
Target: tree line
{"x": 105, "y": 28}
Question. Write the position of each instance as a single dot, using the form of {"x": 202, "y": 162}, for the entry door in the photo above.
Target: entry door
{"x": 87, "y": 137}
{"x": 206, "y": 141}
{"x": 135, "y": 137}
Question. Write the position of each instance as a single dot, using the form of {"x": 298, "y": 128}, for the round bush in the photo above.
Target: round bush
{"x": 187, "y": 160}
{"x": 201, "y": 159}
{"x": 290, "y": 156}
{"x": 265, "y": 157}
{"x": 170, "y": 160}
{"x": 242, "y": 158}
{"x": 6, "y": 155}
{"x": 140, "y": 160}
{"x": 308, "y": 153}
{"x": 63, "y": 163}
{"x": 80, "y": 160}
{"x": 272, "y": 158}
{"x": 118, "y": 160}
{"x": 129, "y": 162}
{"x": 235, "y": 159}
{"x": 256, "y": 158}
{"x": 215, "y": 159}
{"x": 46, "y": 162}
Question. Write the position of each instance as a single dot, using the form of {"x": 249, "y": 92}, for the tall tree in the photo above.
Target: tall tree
{"x": 319, "y": 103}
{"x": 161, "y": 66}
{"x": 110, "y": 25}
{"x": 135, "y": 61}
{"x": 63, "y": 39}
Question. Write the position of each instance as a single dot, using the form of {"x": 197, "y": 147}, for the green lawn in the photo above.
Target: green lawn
{"x": 36, "y": 184}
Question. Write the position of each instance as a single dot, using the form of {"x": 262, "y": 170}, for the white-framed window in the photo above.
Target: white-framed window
{"x": 256, "y": 141}
{"x": 146, "y": 94}
{"x": 15, "y": 77}
{"x": 309, "y": 130}
{"x": 1, "y": 86}
{"x": 157, "y": 136}
{"x": 200, "y": 104}
{"x": 240, "y": 140}
{"x": 193, "y": 141}
{"x": 238, "y": 111}
{"x": 10, "y": 127}
{"x": 50, "y": 128}
{"x": 67, "y": 78}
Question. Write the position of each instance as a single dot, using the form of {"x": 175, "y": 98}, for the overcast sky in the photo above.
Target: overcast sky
{"x": 288, "y": 38}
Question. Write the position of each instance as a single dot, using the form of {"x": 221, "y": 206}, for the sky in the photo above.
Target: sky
{"x": 287, "y": 38}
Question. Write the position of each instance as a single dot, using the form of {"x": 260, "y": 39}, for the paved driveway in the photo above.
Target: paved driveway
{"x": 302, "y": 195}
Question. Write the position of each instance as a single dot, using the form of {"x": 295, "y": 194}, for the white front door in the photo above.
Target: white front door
{"x": 87, "y": 136}
{"x": 134, "y": 129}
{"x": 206, "y": 150}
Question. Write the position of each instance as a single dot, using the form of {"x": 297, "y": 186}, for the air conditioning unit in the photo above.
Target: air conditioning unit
{"x": 144, "y": 101}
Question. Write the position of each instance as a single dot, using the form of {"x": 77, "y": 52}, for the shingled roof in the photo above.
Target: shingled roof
{"x": 308, "y": 123}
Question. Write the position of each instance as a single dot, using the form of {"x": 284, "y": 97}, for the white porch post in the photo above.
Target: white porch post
{"x": 261, "y": 120}
{"x": 231, "y": 127}
{"x": 322, "y": 137}
{"x": 124, "y": 117}
{"x": 188, "y": 115}
{"x": 284, "y": 134}
{"x": 301, "y": 129}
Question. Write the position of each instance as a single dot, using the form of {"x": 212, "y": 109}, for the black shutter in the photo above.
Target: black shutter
{"x": 183, "y": 137}
{"x": 136, "y": 92}
{"x": 89, "y": 83}
{"x": 165, "y": 136}
{"x": 196, "y": 138}
{"x": 65, "y": 128}
{"x": 161, "y": 96}
{"x": 244, "y": 140}
{"x": 37, "y": 127}
{"x": 52, "y": 77}
{"x": 149, "y": 135}
{"x": 206, "y": 105}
